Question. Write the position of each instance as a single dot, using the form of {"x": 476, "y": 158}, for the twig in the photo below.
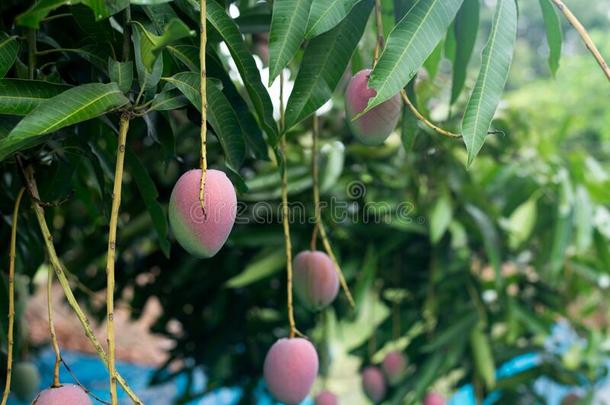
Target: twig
{"x": 379, "y": 43}
{"x": 54, "y": 342}
{"x": 110, "y": 258}
{"x": 11, "y": 297}
{"x": 58, "y": 267}
{"x": 584, "y": 35}
{"x": 204, "y": 104}
{"x": 31, "y": 35}
{"x": 319, "y": 227}
{"x": 423, "y": 119}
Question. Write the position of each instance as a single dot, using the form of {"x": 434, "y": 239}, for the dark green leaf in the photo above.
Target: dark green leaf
{"x": 553, "y": 33}
{"x": 121, "y": 73}
{"x": 151, "y": 45}
{"x": 496, "y": 61}
{"x": 75, "y": 105}
{"x": 148, "y": 192}
{"x": 9, "y": 47}
{"x": 34, "y": 15}
{"x": 324, "y": 62}
{"x": 20, "y": 97}
{"x": 220, "y": 114}
{"x": 259, "y": 96}
{"x": 489, "y": 235}
{"x": 148, "y": 79}
{"x": 466, "y": 29}
{"x": 170, "y": 99}
{"x": 409, "y": 45}
{"x": 288, "y": 25}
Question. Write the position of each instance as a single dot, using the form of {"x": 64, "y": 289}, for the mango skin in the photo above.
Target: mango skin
{"x": 394, "y": 365}
{"x": 376, "y": 125}
{"x": 67, "y": 394}
{"x": 202, "y": 235}
{"x": 374, "y": 384}
{"x": 326, "y": 398}
{"x": 25, "y": 380}
{"x": 316, "y": 281}
{"x": 290, "y": 369}
{"x": 434, "y": 398}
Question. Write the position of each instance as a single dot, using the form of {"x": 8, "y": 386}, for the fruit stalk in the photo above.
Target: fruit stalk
{"x": 285, "y": 219}
{"x": 319, "y": 227}
{"x": 11, "y": 297}
{"x": 203, "y": 157}
{"x": 54, "y": 342}
{"x": 423, "y": 119}
{"x": 111, "y": 255}
{"x": 379, "y": 44}
{"x": 59, "y": 269}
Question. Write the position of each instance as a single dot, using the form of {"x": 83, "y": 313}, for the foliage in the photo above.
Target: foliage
{"x": 461, "y": 269}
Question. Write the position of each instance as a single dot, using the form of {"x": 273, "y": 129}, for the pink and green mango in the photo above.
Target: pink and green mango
{"x": 326, "y": 397}
{"x": 376, "y": 125}
{"x": 290, "y": 369}
{"x": 202, "y": 233}
{"x": 434, "y": 398}
{"x": 373, "y": 384}
{"x": 394, "y": 365}
{"x": 67, "y": 394}
{"x": 316, "y": 281}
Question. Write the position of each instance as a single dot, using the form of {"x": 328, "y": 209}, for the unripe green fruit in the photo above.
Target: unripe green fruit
{"x": 434, "y": 398}
{"x": 394, "y": 365}
{"x": 316, "y": 281}
{"x": 373, "y": 384}
{"x": 25, "y": 380}
{"x": 67, "y": 394}
{"x": 326, "y": 398}
{"x": 290, "y": 369}
{"x": 202, "y": 234}
{"x": 377, "y": 124}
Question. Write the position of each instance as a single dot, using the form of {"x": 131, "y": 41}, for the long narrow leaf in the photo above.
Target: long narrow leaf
{"x": 75, "y": 105}
{"x": 496, "y": 61}
{"x": 20, "y": 97}
{"x": 466, "y": 29}
{"x": 8, "y": 52}
{"x": 218, "y": 18}
{"x": 288, "y": 25}
{"x": 409, "y": 45}
{"x": 553, "y": 33}
{"x": 324, "y": 16}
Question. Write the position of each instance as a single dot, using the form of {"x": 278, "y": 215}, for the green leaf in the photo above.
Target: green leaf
{"x": 151, "y": 45}
{"x": 9, "y": 47}
{"x": 484, "y": 363}
{"x": 187, "y": 54}
{"x": 496, "y": 61}
{"x": 262, "y": 266}
{"x": 171, "y": 99}
{"x": 149, "y": 2}
{"x": 489, "y": 235}
{"x": 148, "y": 192}
{"x": 431, "y": 64}
{"x": 218, "y": 18}
{"x": 466, "y": 29}
{"x": 288, "y": 25}
{"x": 148, "y": 79}
{"x": 98, "y": 7}
{"x": 20, "y": 97}
{"x": 121, "y": 73}
{"x": 324, "y": 16}
{"x": 220, "y": 114}
{"x": 324, "y": 63}
{"x": 554, "y": 36}
{"x": 409, "y": 45}
{"x": 440, "y": 218}
{"x": 521, "y": 222}
{"x": 34, "y": 15}
{"x": 75, "y": 105}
